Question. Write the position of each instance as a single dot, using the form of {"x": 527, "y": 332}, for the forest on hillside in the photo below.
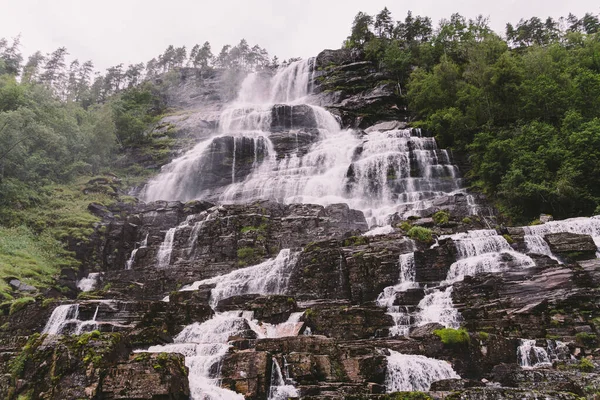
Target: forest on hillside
{"x": 523, "y": 105}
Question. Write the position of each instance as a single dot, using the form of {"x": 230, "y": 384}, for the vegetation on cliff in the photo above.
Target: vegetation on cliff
{"x": 524, "y": 106}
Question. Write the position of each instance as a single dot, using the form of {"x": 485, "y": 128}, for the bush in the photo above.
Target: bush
{"x": 453, "y": 337}
{"x": 585, "y": 365}
{"x": 405, "y": 226}
{"x": 441, "y": 217}
{"x": 421, "y": 234}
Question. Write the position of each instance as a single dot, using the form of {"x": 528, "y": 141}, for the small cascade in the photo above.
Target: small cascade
{"x": 537, "y": 245}
{"x": 65, "y": 319}
{"x": 483, "y": 251}
{"x": 583, "y": 226}
{"x": 437, "y": 307}
{"x": 269, "y": 277}
{"x": 407, "y": 373}
{"x": 59, "y": 318}
{"x": 380, "y": 230}
{"x": 400, "y": 314}
{"x": 291, "y": 327}
{"x": 89, "y": 283}
{"x": 532, "y": 356}
{"x": 280, "y": 389}
{"x": 163, "y": 257}
{"x": 143, "y": 244}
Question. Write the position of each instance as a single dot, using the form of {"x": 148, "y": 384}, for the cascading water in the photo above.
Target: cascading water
{"x": 65, "y": 319}
{"x": 407, "y": 373}
{"x": 205, "y": 344}
{"x": 584, "y": 226}
{"x": 269, "y": 277}
{"x": 381, "y": 173}
{"x": 401, "y": 315}
{"x": 280, "y": 389}
{"x": 131, "y": 260}
{"x": 89, "y": 283}
{"x": 530, "y": 355}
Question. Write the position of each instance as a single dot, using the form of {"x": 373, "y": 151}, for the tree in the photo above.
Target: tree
{"x": 31, "y": 71}
{"x": 384, "y": 25}
{"x": 361, "y": 30}
{"x": 54, "y": 70}
{"x": 11, "y": 56}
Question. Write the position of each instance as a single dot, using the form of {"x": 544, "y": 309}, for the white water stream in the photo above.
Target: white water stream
{"x": 407, "y": 373}
{"x": 381, "y": 173}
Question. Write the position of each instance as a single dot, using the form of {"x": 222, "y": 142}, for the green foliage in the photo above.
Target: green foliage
{"x": 405, "y": 226}
{"x": 453, "y": 337}
{"x": 441, "y": 217}
{"x": 585, "y": 365}
{"x": 483, "y": 335}
{"x": 586, "y": 339}
{"x": 421, "y": 234}
{"x": 356, "y": 241}
{"x": 508, "y": 238}
{"x": 20, "y": 303}
{"x": 466, "y": 220}
{"x": 252, "y": 229}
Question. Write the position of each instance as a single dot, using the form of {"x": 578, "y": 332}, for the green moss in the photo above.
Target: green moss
{"x": 355, "y": 241}
{"x": 586, "y": 339}
{"x": 20, "y": 303}
{"x": 483, "y": 335}
{"x": 421, "y": 234}
{"x": 535, "y": 222}
{"x": 245, "y": 253}
{"x": 453, "y": 337}
{"x": 405, "y": 226}
{"x": 585, "y": 365}
{"x": 508, "y": 238}
{"x": 466, "y": 220}
{"x": 252, "y": 229}
{"x": 441, "y": 217}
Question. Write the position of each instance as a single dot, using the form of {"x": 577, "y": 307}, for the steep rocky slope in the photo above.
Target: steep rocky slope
{"x": 246, "y": 294}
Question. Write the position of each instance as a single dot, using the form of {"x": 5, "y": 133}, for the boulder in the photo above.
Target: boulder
{"x": 579, "y": 247}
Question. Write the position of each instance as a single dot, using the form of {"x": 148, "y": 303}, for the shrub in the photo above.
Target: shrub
{"x": 405, "y": 226}
{"x": 421, "y": 234}
{"x": 441, "y": 217}
{"x": 585, "y": 365}
{"x": 453, "y": 337}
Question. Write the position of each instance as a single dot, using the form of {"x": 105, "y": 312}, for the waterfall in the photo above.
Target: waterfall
{"x": 532, "y": 356}
{"x": 382, "y": 173}
{"x": 269, "y": 277}
{"x": 401, "y": 316}
{"x": 89, "y": 283}
{"x": 59, "y": 318}
{"x": 437, "y": 307}
{"x": 131, "y": 260}
{"x": 279, "y": 389}
{"x": 380, "y": 230}
{"x": 537, "y": 245}
{"x": 407, "y": 373}
{"x": 65, "y": 319}
{"x": 583, "y": 226}
{"x": 163, "y": 257}
{"x": 205, "y": 344}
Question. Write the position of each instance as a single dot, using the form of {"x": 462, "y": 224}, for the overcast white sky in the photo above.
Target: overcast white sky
{"x": 110, "y": 32}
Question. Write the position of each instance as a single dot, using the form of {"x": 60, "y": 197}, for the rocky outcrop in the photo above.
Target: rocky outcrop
{"x": 579, "y": 247}
{"x": 355, "y": 89}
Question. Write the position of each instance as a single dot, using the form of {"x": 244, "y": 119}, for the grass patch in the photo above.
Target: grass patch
{"x": 33, "y": 236}
{"x": 421, "y": 234}
{"x": 19, "y": 304}
{"x": 441, "y": 217}
{"x": 453, "y": 337}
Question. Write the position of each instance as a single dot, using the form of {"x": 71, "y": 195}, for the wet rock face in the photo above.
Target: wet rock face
{"x": 581, "y": 247}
